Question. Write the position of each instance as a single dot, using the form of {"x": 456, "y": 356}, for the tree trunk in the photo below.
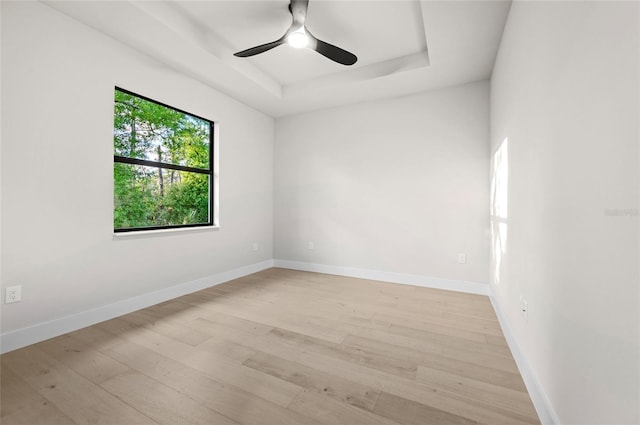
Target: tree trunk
{"x": 132, "y": 138}
{"x": 160, "y": 177}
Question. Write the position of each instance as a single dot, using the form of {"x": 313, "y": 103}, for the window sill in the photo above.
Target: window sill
{"x": 162, "y": 232}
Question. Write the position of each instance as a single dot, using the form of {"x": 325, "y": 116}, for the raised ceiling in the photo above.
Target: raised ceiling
{"x": 402, "y": 46}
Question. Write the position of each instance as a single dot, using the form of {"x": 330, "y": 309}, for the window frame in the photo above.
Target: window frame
{"x": 162, "y": 165}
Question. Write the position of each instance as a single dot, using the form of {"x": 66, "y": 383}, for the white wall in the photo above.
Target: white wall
{"x": 58, "y": 78}
{"x": 565, "y": 93}
{"x": 399, "y": 185}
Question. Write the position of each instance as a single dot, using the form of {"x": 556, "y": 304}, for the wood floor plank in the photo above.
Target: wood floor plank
{"x": 429, "y": 341}
{"x": 79, "y": 398}
{"x": 229, "y": 400}
{"x": 228, "y": 324}
{"x": 22, "y": 404}
{"x": 182, "y": 311}
{"x": 207, "y": 321}
{"x": 307, "y": 377}
{"x": 426, "y": 301}
{"x": 222, "y": 348}
{"x": 507, "y": 399}
{"x": 432, "y": 327}
{"x": 278, "y": 347}
{"x": 160, "y": 402}
{"x": 96, "y": 338}
{"x": 483, "y": 373}
{"x": 325, "y": 301}
{"x": 424, "y": 345}
{"x": 489, "y": 326}
{"x": 81, "y": 358}
{"x": 329, "y": 411}
{"x": 356, "y": 355}
{"x": 421, "y": 392}
{"x": 506, "y": 364}
{"x": 497, "y": 340}
{"x": 168, "y": 327}
{"x": 41, "y": 413}
{"x": 411, "y": 413}
{"x": 450, "y": 341}
{"x": 218, "y": 367}
{"x": 461, "y": 322}
{"x": 270, "y": 315}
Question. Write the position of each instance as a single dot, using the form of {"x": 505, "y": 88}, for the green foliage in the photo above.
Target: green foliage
{"x": 150, "y": 196}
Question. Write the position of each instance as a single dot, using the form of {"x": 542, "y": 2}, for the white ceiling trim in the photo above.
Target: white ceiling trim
{"x": 355, "y": 75}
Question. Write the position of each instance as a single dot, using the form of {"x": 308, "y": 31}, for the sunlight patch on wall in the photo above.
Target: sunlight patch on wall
{"x": 499, "y": 207}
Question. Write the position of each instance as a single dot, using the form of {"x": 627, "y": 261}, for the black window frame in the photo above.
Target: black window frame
{"x": 168, "y": 166}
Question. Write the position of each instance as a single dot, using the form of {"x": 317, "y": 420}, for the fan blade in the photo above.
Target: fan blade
{"x": 332, "y": 52}
{"x": 260, "y": 49}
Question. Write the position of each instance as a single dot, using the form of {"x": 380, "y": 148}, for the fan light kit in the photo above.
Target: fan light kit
{"x": 298, "y": 39}
{"x": 298, "y": 36}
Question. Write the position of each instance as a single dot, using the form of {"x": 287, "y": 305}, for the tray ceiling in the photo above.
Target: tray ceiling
{"x": 402, "y": 46}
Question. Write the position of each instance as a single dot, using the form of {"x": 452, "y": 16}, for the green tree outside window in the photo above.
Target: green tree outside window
{"x": 162, "y": 167}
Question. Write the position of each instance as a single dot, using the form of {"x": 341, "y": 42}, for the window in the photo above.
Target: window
{"x": 162, "y": 166}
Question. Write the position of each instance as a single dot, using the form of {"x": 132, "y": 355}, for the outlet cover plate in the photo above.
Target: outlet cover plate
{"x": 13, "y": 294}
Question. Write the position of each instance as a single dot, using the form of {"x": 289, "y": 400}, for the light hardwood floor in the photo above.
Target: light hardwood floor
{"x": 277, "y": 347}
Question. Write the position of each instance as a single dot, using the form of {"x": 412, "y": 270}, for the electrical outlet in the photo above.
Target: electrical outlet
{"x": 255, "y": 246}
{"x": 462, "y": 258}
{"x": 311, "y": 245}
{"x": 13, "y": 294}
{"x": 524, "y": 308}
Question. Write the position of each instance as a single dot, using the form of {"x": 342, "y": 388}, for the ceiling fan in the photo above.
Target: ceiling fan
{"x": 299, "y": 36}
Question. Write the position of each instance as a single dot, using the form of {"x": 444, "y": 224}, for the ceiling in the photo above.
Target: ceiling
{"x": 402, "y": 46}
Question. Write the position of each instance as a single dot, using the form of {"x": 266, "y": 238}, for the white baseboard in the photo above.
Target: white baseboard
{"x": 402, "y": 278}
{"x": 539, "y": 398}
{"x": 22, "y": 337}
